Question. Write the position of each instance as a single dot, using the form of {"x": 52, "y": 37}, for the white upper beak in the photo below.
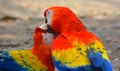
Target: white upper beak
{"x": 44, "y": 26}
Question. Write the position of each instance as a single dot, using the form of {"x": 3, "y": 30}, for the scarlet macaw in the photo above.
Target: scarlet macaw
{"x": 74, "y": 48}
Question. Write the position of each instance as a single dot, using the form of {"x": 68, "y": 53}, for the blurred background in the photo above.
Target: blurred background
{"x": 18, "y": 19}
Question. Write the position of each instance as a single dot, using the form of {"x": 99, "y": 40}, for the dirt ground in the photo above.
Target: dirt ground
{"x": 17, "y": 25}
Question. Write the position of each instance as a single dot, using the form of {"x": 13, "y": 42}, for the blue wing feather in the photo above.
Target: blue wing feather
{"x": 107, "y": 66}
{"x": 98, "y": 61}
{"x": 7, "y": 63}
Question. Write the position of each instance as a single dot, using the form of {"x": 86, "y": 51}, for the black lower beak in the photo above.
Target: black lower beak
{"x": 49, "y": 29}
{"x": 46, "y": 21}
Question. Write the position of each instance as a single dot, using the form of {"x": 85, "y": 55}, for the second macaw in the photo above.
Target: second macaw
{"x": 37, "y": 59}
{"x": 74, "y": 48}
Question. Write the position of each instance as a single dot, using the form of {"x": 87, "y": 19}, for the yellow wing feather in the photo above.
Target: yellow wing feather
{"x": 27, "y": 59}
{"x": 77, "y": 56}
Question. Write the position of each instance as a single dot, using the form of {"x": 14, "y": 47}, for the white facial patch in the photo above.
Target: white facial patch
{"x": 49, "y": 15}
{"x": 48, "y": 38}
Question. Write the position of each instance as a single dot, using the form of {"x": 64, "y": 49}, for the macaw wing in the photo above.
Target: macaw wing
{"x": 73, "y": 51}
{"x": 7, "y": 63}
{"x": 19, "y": 60}
{"x": 96, "y": 51}
{"x": 70, "y": 55}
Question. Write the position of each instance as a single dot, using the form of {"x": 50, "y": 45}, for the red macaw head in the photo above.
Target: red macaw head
{"x": 62, "y": 19}
{"x": 41, "y": 36}
{"x": 38, "y": 38}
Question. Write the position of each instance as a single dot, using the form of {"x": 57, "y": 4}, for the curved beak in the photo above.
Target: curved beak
{"x": 47, "y": 28}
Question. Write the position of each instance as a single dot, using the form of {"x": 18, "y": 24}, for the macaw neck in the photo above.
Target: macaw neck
{"x": 68, "y": 26}
{"x": 73, "y": 27}
{"x": 38, "y": 47}
{"x": 67, "y": 23}
{"x": 43, "y": 53}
